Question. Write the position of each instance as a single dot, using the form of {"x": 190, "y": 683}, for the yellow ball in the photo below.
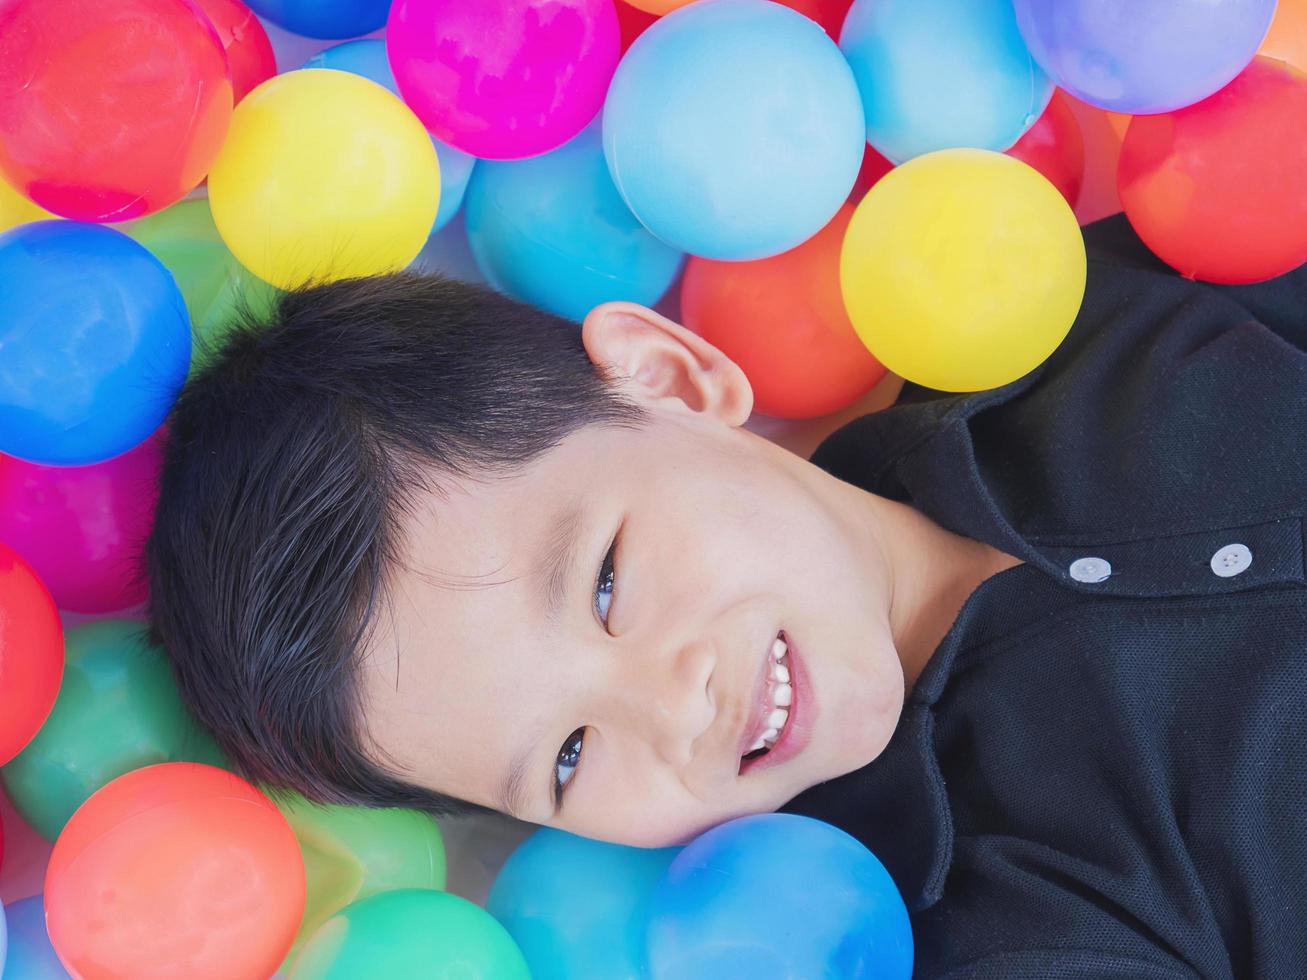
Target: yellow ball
{"x": 324, "y": 175}
{"x": 16, "y": 210}
{"x": 963, "y": 269}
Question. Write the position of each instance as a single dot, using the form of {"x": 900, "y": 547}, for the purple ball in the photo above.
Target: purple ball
{"x": 1144, "y": 56}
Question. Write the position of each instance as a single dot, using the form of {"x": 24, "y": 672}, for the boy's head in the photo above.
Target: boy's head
{"x": 414, "y": 536}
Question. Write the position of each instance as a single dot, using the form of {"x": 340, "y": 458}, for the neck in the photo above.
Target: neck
{"x": 932, "y": 571}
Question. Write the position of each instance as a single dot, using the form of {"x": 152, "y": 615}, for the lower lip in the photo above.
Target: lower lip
{"x": 798, "y": 728}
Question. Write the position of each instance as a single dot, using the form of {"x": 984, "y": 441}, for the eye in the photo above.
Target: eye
{"x": 604, "y": 584}
{"x": 568, "y": 759}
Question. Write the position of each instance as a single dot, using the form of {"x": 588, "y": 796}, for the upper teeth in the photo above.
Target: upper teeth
{"x": 781, "y": 695}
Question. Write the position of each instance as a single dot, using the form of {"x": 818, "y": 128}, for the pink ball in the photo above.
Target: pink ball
{"x": 504, "y": 80}
{"x": 83, "y": 528}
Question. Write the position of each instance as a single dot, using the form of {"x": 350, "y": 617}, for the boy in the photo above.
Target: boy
{"x": 1042, "y": 648}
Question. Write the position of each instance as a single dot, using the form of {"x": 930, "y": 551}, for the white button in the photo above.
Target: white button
{"x": 1231, "y": 560}
{"x": 1090, "y": 569}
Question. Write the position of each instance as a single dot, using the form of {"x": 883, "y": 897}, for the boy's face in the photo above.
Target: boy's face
{"x": 723, "y": 540}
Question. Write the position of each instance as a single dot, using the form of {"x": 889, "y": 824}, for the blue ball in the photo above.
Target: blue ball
{"x": 577, "y": 908}
{"x": 936, "y": 74}
{"x": 552, "y": 231}
{"x": 368, "y": 58}
{"x": 777, "y": 895}
{"x": 95, "y": 343}
{"x": 324, "y": 18}
{"x": 31, "y": 957}
{"x": 733, "y": 128}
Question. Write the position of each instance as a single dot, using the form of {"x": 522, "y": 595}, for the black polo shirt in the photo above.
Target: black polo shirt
{"x": 1102, "y": 771}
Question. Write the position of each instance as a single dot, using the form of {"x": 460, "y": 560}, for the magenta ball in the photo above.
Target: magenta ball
{"x": 504, "y": 80}
{"x": 82, "y": 528}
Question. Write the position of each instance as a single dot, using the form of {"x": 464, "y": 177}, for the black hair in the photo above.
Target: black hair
{"x": 291, "y": 457}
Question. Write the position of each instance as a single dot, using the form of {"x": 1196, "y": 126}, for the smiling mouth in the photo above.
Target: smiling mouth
{"x": 772, "y": 715}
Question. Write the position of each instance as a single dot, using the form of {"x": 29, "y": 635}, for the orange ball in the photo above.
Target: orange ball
{"x": 31, "y": 653}
{"x": 658, "y": 6}
{"x": 1218, "y": 190}
{"x": 175, "y": 870}
{"x": 1288, "y": 37}
{"x": 782, "y": 319}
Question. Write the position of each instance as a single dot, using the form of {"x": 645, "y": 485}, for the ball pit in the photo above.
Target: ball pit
{"x": 621, "y": 145}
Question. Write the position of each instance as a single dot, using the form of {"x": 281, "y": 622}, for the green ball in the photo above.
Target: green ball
{"x": 411, "y": 932}
{"x": 353, "y": 852}
{"x": 185, "y": 239}
{"x": 118, "y": 709}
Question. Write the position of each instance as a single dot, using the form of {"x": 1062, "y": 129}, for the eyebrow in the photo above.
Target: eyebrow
{"x": 554, "y": 575}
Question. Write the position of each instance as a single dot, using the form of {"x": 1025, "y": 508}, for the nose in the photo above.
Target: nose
{"x": 667, "y": 701}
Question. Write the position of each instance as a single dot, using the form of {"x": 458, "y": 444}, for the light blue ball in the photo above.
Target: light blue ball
{"x": 553, "y": 231}
{"x": 733, "y": 128}
{"x": 578, "y": 908}
{"x": 368, "y": 58}
{"x": 776, "y": 896}
{"x": 936, "y": 74}
{"x": 95, "y": 343}
{"x": 31, "y": 957}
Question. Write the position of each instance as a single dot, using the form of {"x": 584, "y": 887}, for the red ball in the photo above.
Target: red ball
{"x": 632, "y": 22}
{"x": 782, "y": 319}
{"x": 1218, "y": 189}
{"x": 31, "y": 653}
{"x": 249, "y": 52}
{"x": 1055, "y": 147}
{"x": 175, "y": 870}
{"x": 109, "y": 111}
{"x": 829, "y": 14}
{"x": 874, "y": 167}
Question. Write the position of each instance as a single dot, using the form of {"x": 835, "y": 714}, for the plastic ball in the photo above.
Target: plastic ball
{"x": 782, "y": 320}
{"x": 325, "y": 176}
{"x": 1056, "y": 148}
{"x": 578, "y": 908}
{"x": 18, "y": 210}
{"x": 713, "y": 915}
{"x": 963, "y": 269}
{"x": 31, "y": 957}
{"x": 96, "y": 343}
{"x": 214, "y": 285}
{"x": 942, "y": 73}
{"x": 325, "y": 18}
{"x": 554, "y": 232}
{"x": 368, "y": 58}
{"x": 175, "y": 870}
{"x": 83, "y": 528}
{"x": 109, "y": 111}
{"x": 733, "y": 129}
{"x": 1218, "y": 190}
{"x": 118, "y": 709}
{"x": 249, "y": 51}
{"x": 408, "y": 932}
{"x": 1287, "y": 39}
{"x": 352, "y": 852}
{"x": 504, "y": 80}
{"x": 31, "y": 653}
{"x": 1145, "y": 56}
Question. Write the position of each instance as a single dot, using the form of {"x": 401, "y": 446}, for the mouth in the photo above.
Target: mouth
{"x": 778, "y": 726}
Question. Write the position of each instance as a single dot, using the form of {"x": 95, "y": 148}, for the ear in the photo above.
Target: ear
{"x": 652, "y": 358}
